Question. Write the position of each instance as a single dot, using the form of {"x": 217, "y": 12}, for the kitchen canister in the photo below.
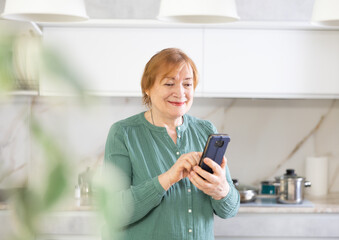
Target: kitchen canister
{"x": 316, "y": 170}
{"x": 268, "y": 188}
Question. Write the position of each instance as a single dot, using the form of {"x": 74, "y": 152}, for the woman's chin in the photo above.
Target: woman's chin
{"x": 179, "y": 113}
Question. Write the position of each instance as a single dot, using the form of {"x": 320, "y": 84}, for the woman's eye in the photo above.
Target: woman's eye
{"x": 188, "y": 84}
{"x": 169, "y": 84}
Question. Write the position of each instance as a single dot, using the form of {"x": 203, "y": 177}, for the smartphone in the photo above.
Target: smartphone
{"x": 215, "y": 149}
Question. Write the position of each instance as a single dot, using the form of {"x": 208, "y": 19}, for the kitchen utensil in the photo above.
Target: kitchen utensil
{"x": 268, "y": 187}
{"x": 247, "y": 193}
{"x": 291, "y": 187}
{"x": 85, "y": 181}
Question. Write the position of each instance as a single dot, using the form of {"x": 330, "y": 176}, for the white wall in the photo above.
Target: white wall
{"x": 263, "y": 133}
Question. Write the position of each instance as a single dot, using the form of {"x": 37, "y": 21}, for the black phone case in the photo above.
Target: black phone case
{"x": 214, "y": 150}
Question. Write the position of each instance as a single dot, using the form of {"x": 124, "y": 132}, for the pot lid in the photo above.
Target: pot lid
{"x": 290, "y": 173}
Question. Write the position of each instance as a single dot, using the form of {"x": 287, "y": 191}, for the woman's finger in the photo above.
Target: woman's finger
{"x": 187, "y": 165}
{"x": 213, "y": 165}
{"x": 223, "y": 163}
{"x": 198, "y": 181}
{"x": 206, "y": 175}
{"x": 194, "y": 158}
{"x": 188, "y": 157}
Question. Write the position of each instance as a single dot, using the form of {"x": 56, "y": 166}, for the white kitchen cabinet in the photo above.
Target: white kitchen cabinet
{"x": 248, "y": 60}
{"x": 67, "y": 225}
{"x": 290, "y": 224}
{"x": 277, "y": 226}
{"x": 271, "y": 63}
{"x": 70, "y": 225}
{"x": 111, "y": 60}
{"x": 6, "y": 227}
{"x": 61, "y": 237}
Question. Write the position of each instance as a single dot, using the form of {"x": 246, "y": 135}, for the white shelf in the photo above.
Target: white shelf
{"x": 150, "y": 23}
{"x": 19, "y": 27}
{"x": 23, "y": 93}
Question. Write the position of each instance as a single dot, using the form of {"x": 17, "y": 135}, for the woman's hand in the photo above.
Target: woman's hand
{"x": 214, "y": 185}
{"x": 181, "y": 169}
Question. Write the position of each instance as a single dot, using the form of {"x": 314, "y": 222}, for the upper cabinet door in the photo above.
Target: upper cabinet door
{"x": 271, "y": 63}
{"x": 110, "y": 61}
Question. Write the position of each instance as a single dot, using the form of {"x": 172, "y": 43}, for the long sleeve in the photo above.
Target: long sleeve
{"x": 228, "y": 206}
{"x": 138, "y": 200}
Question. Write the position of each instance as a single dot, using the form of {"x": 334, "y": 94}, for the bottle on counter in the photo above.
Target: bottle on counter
{"x": 77, "y": 192}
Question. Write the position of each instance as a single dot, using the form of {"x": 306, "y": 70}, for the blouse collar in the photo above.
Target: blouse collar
{"x": 179, "y": 128}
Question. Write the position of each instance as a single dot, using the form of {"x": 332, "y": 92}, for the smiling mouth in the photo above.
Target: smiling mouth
{"x": 178, "y": 104}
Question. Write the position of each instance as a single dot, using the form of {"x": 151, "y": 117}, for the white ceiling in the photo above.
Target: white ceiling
{"x": 248, "y": 10}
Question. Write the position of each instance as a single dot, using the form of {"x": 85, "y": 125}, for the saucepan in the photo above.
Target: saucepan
{"x": 291, "y": 187}
{"x": 247, "y": 193}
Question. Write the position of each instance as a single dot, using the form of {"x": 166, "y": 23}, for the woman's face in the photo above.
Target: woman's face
{"x": 172, "y": 95}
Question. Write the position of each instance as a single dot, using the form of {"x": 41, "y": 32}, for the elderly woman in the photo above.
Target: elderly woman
{"x": 159, "y": 151}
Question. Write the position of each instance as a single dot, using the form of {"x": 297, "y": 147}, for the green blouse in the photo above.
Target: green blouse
{"x": 143, "y": 152}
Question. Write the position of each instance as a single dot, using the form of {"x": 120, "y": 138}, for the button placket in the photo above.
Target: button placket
{"x": 179, "y": 136}
{"x": 189, "y": 209}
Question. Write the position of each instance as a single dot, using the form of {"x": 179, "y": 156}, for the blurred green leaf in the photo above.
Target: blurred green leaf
{"x": 28, "y": 210}
{"x": 56, "y": 185}
{"x": 57, "y": 167}
{"x": 6, "y": 63}
{"x": 31, "y": 204}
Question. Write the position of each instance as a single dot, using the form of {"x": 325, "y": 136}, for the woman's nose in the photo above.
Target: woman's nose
{"x": 180, "y": 90}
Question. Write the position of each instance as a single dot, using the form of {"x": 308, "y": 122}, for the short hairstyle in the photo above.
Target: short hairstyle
{"x": 164, "y": 62}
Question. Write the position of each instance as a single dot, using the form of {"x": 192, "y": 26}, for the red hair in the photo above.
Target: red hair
{"x": 163, "y": 63}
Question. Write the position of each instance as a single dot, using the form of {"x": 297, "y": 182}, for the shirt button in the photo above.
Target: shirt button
{"x": 189, "y": 210}
{"x": 190, "y": 230}
{"x": 179, "y": 136}
{"x": 178, "y": 153}
{"x": 178, "y": 128}
{"x": 189, "y": 190}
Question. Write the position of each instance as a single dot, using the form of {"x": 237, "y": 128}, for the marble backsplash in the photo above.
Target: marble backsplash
{"x": 267, "y": 136}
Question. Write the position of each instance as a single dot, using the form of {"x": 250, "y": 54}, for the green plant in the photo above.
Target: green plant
{"x": 32, "y": 204}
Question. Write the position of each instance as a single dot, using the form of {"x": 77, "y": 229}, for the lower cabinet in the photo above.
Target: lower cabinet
{"x": 6, "y": 227}
{"x": 60, "y": 237}
{"x": 70, "y": 225}
{"x": 278, "y": 226}
{"x": 84, "y": 225}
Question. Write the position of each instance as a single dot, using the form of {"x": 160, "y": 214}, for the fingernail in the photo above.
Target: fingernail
{"x": 207, "y": 160}
{"x": 192, "y": 173}
{"x": 195, "y": 168}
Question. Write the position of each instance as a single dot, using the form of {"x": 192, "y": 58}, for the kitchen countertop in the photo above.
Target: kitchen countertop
{"x": 327, "y": 204}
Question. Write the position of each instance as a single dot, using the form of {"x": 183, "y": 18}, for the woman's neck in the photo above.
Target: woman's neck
{"x": 158, "y": 120}
{"x": 169, "y": 124}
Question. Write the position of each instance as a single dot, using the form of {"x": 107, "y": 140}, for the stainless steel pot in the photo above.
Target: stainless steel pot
{"x": 247, "y": 193}
{"x": 291, "y": 187}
